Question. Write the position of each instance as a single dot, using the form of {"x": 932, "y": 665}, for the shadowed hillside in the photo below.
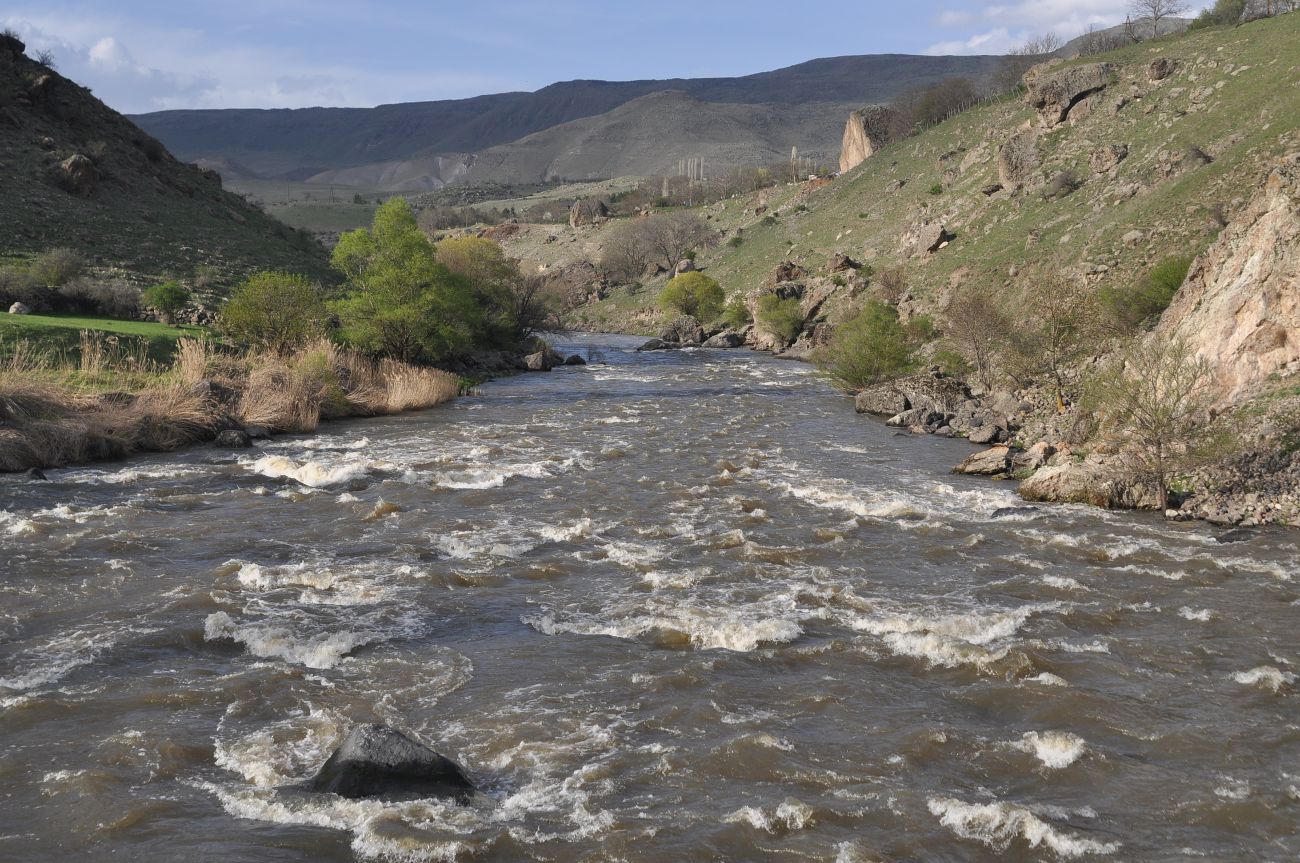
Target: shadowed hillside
{"x": 77, "y": 174}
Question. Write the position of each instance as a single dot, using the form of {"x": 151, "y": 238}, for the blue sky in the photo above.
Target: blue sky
{"x": 143, "y": 56}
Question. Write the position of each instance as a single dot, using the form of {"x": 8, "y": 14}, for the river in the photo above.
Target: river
{"x": 678, "y": 606}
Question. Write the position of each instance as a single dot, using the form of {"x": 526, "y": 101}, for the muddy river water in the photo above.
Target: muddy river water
{"x": 669, "y": 607}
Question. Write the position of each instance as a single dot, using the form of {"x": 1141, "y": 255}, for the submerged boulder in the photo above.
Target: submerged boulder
{"x": 378, "y": 761}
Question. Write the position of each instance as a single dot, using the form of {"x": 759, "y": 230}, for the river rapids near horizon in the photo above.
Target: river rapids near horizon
{"x": 680, "y": 606}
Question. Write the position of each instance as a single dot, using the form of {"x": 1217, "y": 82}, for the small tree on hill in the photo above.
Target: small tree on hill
{"x": 1154, "y": 401}
{"x": 1059, "y": 327}
{"x": 977, "y": 327}
{"x": 1156, "y": 10}
{"x": 274, "y": 310}
{"x": 167, "y": 298}
{"x": 693, "y": 294}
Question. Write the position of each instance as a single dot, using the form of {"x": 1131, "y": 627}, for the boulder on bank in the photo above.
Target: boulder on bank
{"x": 377, "y": 761}
{"x": 1093, "y": 481}
{"x": 934, "y": 391}
{"x": 20, "y": 309}
{"x": 684, "y": 331}
{"x": 656, "y": 345}
{"x": 725, "y": 340}
{"x": 538, "y": 362}
{"x": 995, "y": 461}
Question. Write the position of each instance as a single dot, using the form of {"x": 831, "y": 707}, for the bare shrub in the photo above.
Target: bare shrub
{"x": 57, "y": 266}
{"x": 1062, "y": 184}
{"x": 113, "y": 298}
{"x": 891, "y": 285}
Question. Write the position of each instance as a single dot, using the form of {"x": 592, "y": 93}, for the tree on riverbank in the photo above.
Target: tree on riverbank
{"x": 1154, "y": 402}
{"x": 400, "y": 301}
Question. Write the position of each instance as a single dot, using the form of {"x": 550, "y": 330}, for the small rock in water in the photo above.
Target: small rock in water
{"x": 1238, "y": 534}
{"x": 35, "y": 473}
{"x": 378, "y": 761}
{"x": 233, "y": 439}
{"x": 575, "y": 360}
{"x": 1004, "y": 511}
{"x": 257, "y": 432}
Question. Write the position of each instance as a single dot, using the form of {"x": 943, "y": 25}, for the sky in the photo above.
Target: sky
{"x": 149, "y": 56}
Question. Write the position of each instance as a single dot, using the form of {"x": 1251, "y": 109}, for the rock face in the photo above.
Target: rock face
{"x": 1018, "y": 159}
{"x": 542, "y": 361}
{"x": 866, "y": 132}
{"x": 1239, "y": 308}
{"x": 1053, "y": 93}
{"x": 377, "y": 761}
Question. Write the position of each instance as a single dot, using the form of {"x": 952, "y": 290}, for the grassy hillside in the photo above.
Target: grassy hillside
{"x": 1199, "y": 142}
{"x": 77, "y": 174}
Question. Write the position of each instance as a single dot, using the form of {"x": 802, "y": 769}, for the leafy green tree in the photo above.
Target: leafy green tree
{"x": 509, "y": 306}
{"x": 168, "y": 298}
{"x": 737, "y": 315}
{"x": 693, "y": 294}
{"x": 275, "y": 310}
{"x": 869, "y": 348}
{"x": 780, "y": 316}
{"x": 400, "y": 301}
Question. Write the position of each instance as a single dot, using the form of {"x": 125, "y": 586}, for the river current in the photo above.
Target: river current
{"x": 664, "y": 607}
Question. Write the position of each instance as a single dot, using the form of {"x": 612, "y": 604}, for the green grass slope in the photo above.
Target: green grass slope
{"x": 1234, "y": 96}
{"x": 61, "y": 334}
{"x": 132, "y": 205}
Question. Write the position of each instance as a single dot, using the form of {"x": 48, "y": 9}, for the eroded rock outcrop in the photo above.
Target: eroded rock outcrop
{"x": 865, "y": 133}
{"x": 1239, "y": 308}
{"x": 1053, "y": 93}
{"x": 1018, "y": 159}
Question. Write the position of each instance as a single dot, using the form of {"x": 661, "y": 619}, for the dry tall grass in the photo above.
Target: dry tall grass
{"x": 111, "y": 402}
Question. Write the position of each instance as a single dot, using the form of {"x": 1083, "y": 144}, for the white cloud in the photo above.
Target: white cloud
{"x": 1012, "y": 24}
{"x": 953, "y": 18}
{"x": 161, "y": 69}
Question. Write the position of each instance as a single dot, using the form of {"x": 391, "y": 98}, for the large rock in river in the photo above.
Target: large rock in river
{"x": 377, "y": 761}
{"x": 933, "y": 391}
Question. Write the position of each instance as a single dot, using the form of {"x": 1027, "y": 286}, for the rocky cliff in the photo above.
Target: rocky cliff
{"x": 866, "y": 132}
{"x": 1240, "y": 306}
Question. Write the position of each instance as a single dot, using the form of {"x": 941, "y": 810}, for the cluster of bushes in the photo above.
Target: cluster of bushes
{"x": 402, "y": 297}
{"x": 1040, "y": 333}
{"x": 780, "y": 316}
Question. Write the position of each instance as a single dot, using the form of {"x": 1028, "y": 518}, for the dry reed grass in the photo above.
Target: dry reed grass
{"x": 57, "y": 411}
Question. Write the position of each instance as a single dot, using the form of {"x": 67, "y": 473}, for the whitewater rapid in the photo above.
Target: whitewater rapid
{"x": 673, "y": 607}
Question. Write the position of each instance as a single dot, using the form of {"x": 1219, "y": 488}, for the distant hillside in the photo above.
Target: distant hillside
{"x": 76, "y": 173}
{"x": 298, "y": 144}
{"x": 648, "y": 136}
